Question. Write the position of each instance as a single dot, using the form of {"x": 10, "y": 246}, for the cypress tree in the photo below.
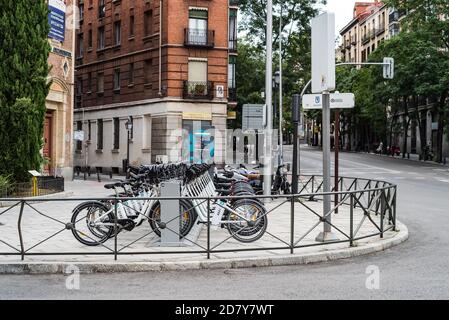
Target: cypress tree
{"x": 24, "y": 51}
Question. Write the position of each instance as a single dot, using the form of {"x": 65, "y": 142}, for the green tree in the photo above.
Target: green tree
{"x": 430, "y": 18}
{"x": 24, "y": 51}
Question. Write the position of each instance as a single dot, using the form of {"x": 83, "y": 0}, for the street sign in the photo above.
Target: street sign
{"x": 388, "y": 68}
{"x": 337, "y": 101}
{"x": 253, "y": 117}
{"x": 323, "y": 53}
{"x": 57, "y": 19}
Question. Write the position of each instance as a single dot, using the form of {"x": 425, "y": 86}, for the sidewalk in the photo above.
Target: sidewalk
{"x": 36, "y": 228}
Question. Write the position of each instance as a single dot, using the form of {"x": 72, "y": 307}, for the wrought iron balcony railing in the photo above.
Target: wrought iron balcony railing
{"x": 198, "y": 90}
{"x": 199, "y": 38}
{"x": 232, "y": 94}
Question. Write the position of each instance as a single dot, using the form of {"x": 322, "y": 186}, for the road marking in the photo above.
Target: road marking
{"x": 442, "y": 180}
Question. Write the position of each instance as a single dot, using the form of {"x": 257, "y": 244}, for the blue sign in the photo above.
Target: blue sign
{"x": 317, "y": 100}
{"x": 56, "y": 19}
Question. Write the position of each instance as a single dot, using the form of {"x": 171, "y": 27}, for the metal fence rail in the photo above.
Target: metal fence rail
{"x": 366, "y": 208}
{"x": 45, "y": 186}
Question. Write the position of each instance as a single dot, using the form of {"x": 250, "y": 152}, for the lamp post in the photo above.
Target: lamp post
{"x": 129, "y": 128}
{"x": 276, "y": 86}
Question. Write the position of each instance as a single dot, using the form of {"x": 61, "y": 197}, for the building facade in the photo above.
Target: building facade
{"x": 167, "y": 67}
{"x": 59, "y": 116}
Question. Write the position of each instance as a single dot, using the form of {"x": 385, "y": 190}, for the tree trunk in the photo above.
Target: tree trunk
{"x": 405, "y": 124}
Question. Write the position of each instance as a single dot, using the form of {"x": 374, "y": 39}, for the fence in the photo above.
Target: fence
{"x": 45, "y": 185}
{"x": 365, "y": 208}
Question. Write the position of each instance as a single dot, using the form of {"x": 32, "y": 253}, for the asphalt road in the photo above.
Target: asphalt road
{"x": 416, "y": 269}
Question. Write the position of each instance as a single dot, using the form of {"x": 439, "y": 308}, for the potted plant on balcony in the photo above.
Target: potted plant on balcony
{"x": 200, "y": 89}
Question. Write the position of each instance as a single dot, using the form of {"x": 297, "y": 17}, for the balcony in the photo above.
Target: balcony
{"x": 348, "y": 44}
{"x": 233, "y": 45}
{"x": 198, "y": 90}
{"x": 199, "y": 38}
{"x": 354, "y": 40}
{"x": 232, "y": 94}
{"x": 234, "y": 3}
{"x": 380, "y": 30}
{"x": 366, "y": 38}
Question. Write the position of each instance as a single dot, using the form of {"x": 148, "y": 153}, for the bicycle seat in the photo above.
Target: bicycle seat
{"x": 110, "y": 186}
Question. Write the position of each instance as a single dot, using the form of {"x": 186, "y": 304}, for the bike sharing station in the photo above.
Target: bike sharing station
{"x": 167, "y": 211}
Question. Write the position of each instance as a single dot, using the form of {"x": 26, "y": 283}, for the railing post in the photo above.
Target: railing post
{"x": 292, "y": 224}
{"x": 208, "y": 228}
{"x": 115, "y": 228}
{"x": 394, "y": 208}
{"x": 351, "y": 220}
{"x": 382, "y": 212}
{"x": 19, "y": 227}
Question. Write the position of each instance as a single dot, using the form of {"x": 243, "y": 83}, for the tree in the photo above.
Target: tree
{"x": 430, "y": 18}
{"x": 24, "y": 51}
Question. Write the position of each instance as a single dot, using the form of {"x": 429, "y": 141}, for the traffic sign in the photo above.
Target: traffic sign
{"x": 253, "y": 117}
{"x": 337, "y": 101}
{"x": 388, "y": 68}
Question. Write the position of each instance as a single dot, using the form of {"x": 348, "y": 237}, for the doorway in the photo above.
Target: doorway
{"x": 48, "y": 142}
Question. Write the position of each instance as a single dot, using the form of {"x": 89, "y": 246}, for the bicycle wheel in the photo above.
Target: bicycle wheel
{"x": 187, "y": 219}
{"x": 240, "y": 228}
{"x": 83, "y": 228}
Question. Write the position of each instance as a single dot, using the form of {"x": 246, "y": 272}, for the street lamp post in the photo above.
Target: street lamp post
{"x": 129, "y": 128}
{"x": 276, "y": 86}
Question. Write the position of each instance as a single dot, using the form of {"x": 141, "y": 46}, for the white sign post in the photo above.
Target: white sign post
{"x": 323, "y": 81}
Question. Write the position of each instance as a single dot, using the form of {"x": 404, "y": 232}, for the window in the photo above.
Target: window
{"x": 79, "y": 86}
{"x": 148, "y": 23}
{"x": 131, "y": 26}
{"x": 117, "y": 33}
{"x": 198, "y": 27}
{"x": 81, "y": 9}
{"x": 89, "y": 82}
{"x": 231, "y": 72}
{"x": 80, "y": 45}
{"x": 131, "y": 74}
{"x": 100, "y": 83}
{"x": 233, "y": 29}
{"x": 116, "y": 133}
{"x": 197, "y": 71}
{"x": 101, "y": 38}
{"x": 147, "y": 71}
{"x": 101, "y": 8}
{"x": 89, "y": 39}
{"x": 100, "y": 134}
{"x": 89, "y": 130}
{"x": 117, "y": 79}
{"x": 79, "y": 143}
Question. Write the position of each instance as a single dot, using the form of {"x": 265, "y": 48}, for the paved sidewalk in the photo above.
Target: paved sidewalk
{"x": 38, "y": 227}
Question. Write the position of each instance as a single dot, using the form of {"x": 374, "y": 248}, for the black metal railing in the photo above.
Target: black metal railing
{"x": 199, "y": 38}
{"x": 232, "y": 94}
{"x": 363, "y": 208}
{"x": 234, "y": 3}
{"x": 380, "y": 30}
{"x": 198, "y": 90}
{"x": 233, "y": 45}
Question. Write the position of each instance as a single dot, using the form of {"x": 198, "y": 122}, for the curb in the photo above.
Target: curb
{"x": 284, "y": 260}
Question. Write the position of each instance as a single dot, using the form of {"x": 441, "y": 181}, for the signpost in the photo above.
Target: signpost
{"x": 323, "y": 81}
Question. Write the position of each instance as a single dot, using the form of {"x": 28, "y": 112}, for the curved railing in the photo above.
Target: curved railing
{"x": 362, "y": 208}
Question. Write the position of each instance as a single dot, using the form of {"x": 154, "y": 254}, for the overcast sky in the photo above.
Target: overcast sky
{"x": 343, "y": 11}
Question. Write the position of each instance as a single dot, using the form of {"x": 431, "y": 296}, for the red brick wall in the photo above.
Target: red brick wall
{"x": 139, "y": 48}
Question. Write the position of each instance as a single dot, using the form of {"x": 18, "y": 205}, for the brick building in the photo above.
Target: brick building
{"x": 59, "y": 116}
{"x": 163, "y": 65}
